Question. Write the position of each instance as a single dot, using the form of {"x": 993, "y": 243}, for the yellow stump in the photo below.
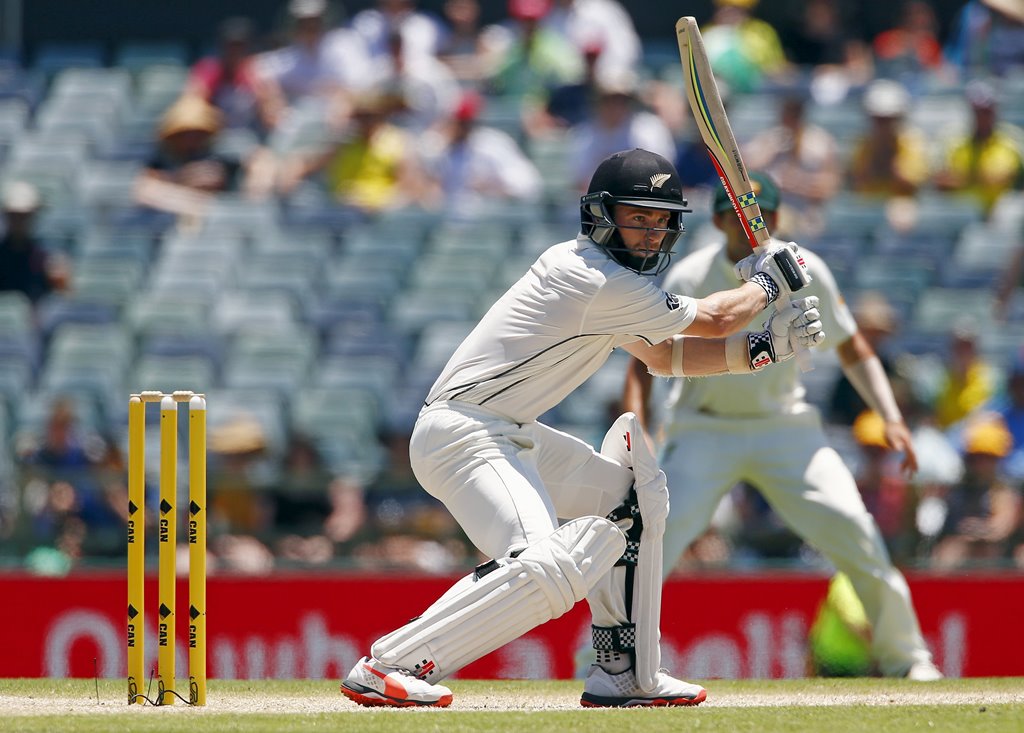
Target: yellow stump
{"x": 136, "y": 546}
{"x": 197, "y": 550}
{"x": 168, "y": 547}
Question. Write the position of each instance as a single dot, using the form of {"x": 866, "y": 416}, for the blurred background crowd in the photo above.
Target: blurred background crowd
{"x": 303, "y": 218}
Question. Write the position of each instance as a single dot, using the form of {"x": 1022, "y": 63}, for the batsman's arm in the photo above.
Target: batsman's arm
{"x": 636, "y": 391}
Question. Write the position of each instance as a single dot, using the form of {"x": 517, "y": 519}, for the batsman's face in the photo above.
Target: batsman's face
{"x": 641, "y": 229}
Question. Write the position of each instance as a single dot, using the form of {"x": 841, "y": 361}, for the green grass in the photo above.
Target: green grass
{"x": 833, "y": 706}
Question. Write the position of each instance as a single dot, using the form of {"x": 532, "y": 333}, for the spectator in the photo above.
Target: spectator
{"x": 463, "y": 43}
{"x": 983, "y": 511}
{"x": 1011, "y": 409}
{"x": 891, "y": 159}
{"x": 372, "y": 168}
{"x": 66, "y": 450}
{"x": 887, "y": 494}
{"x": 1011, "y": 278}
{"x": 968, "y": 380}
{"x": 421, "y": 33}
{"x": 317, "y": 66}
{"x": 988, "y": 162}
{"x": 228, "y": 80}
{"x": 823, "y": 44}
{"x": 25, "y": 265}
{"x": 743, "y": 50}
{"x": 619, "y": 123}
{"x": 988, "y": 38}
{"x": 427, "y": 88}
{"x": 805, "y": 161}
{"x": 534, "y": 59}
{"x": 876, "y": 321}
{"x": 568, "y": 104}
{"x": 603, "y": 24}
{"x": 912, "y": 46}
{"x": 468, "y": 166}
{"x": 186, "y": 172}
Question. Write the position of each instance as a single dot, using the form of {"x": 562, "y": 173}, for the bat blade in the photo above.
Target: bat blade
{"x": 716, "y": 132}
{"x": 713, "y": 124}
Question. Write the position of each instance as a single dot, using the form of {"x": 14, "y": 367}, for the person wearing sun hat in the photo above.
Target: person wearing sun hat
{"x": 984, "y": 510}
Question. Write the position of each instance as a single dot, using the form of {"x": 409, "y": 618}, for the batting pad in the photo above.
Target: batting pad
{"x": 504, "y": 599}
{"x": 626, "y": 443}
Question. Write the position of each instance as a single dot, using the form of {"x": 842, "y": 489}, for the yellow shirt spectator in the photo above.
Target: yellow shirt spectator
{"x": 366, "y": 172}
{"x": 985, "y": 168}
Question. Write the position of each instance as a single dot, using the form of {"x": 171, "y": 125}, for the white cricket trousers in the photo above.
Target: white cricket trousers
{"x": 787, "y": 458}
{"x": 507, "y": 484}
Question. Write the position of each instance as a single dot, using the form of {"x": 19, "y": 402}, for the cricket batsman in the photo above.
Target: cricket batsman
{"x": 561, "y": 520}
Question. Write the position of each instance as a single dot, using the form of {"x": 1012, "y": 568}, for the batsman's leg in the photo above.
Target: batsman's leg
{"x": 499, "y": 602}
{"x": 623, "y": 481}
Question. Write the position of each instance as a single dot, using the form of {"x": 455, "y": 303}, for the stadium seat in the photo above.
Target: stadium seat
{"x": 105, "y": 184}
{"x": 227, "y": 406}
{"x": 171, "y": 311}
{"x": 37, "y": 406}
{"x": 15, "y": 312}
{"x": 54, "y": 311}
{"x": 157, "y": 88}
{"x": 420, "y": 307}
{"x": 136, "y": 56}
{"x": 16, "y": 378}
{"x": 109, "y": 84}
{"x": 54, "y": 57}
{"x": 169, "y": 373}
{"x": 437, "y": 343}
{"x": 377, "y": 374}
{"x": 344, "y": 424}
{"x": 850, "y": 215}
{"x": 237, "y": 308}
{"x": 104, "y": 284}
{"x": 939, "y": 308}
{"x": 364, "y": 338}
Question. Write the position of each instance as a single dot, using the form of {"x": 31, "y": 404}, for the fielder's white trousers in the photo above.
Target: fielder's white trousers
{"x": 787, "y": 458}
{"x": 507, "y": 484}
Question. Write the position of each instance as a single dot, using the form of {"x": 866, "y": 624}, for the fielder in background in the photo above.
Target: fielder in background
{"x": 759, "y": 429}
{"x": 563, "y": 521}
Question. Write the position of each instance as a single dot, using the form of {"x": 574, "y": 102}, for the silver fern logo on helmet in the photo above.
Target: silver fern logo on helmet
{"x": 658, "y": 179}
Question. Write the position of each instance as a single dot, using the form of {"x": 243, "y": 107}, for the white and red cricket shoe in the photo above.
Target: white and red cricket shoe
{"x": 604, "y": 690}
{"x": 374, "y": 684}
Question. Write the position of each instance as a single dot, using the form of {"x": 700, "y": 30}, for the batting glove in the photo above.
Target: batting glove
{"x": 798, "y": 323}
{"x": 779, "y": 270}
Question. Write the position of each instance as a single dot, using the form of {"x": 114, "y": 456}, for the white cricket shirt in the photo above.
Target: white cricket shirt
{"x": 771, "y": 391}
{"x": 554, "y": 328}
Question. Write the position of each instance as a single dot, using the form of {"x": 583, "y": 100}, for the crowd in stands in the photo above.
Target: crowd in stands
{"x": 303, "y": 224}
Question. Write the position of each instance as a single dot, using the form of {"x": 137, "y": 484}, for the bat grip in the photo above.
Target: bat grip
{"x": 802, "y": 356}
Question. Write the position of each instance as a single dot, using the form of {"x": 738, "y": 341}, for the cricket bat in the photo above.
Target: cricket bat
{"x": 713, "y": 124}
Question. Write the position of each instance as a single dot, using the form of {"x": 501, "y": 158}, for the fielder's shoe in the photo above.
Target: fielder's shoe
{"x": 374, "y": 684}
{"x": 603, "y": 690}
{"x": 923, "y": 672}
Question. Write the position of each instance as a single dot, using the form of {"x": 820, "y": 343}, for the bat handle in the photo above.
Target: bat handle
{"x": 802, "y": 356}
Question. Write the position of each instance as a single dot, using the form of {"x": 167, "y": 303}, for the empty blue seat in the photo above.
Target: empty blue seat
{"x": 138, "y": 55}
{"x": 53, "y": 57}
{"x": 57, "y": 310}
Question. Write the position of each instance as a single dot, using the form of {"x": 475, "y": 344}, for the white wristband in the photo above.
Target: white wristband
{"x": 868, "y": 377}
{"x": 677, "y": 356}
{"x": 737, "y": 353}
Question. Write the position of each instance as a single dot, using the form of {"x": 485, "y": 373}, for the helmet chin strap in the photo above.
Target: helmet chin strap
{"x": 653, "y": 264}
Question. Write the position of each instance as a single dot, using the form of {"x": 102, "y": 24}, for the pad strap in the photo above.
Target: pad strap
{"x": 614, "y": 638}
{"x": 629, "y": 509}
